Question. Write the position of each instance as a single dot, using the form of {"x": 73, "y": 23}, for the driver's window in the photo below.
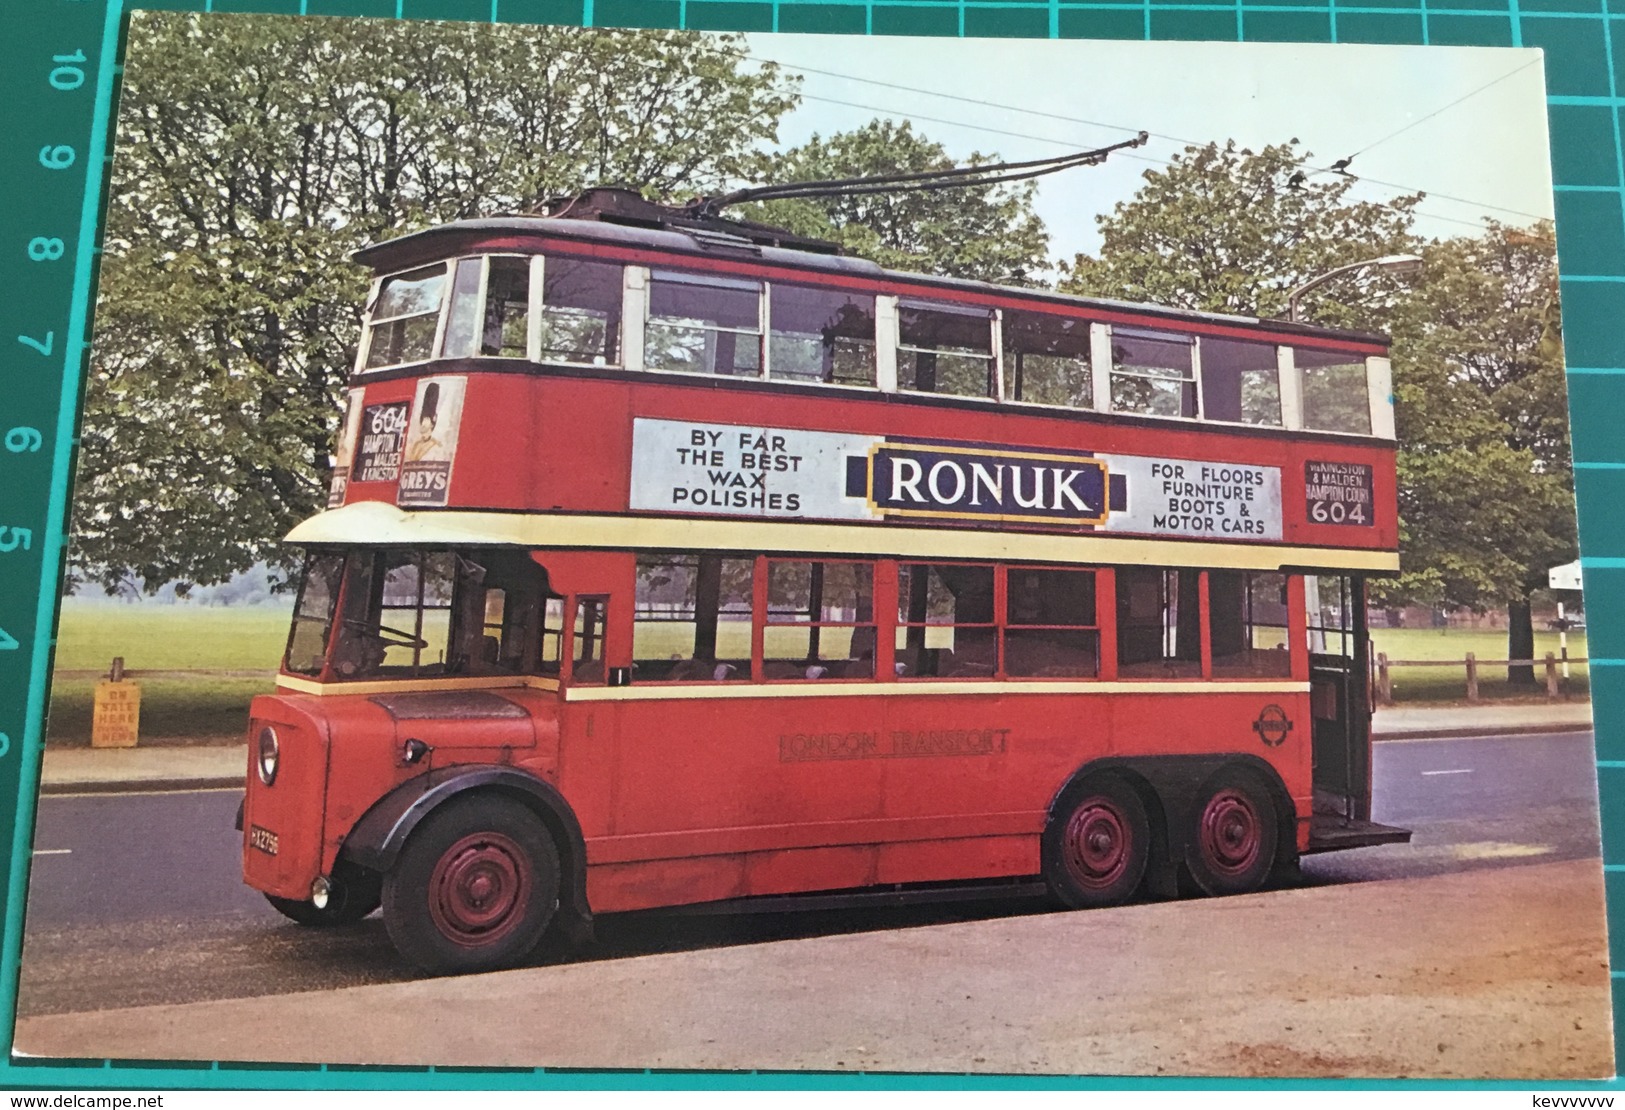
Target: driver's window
{"x": 587, "y": 644}
{"x": 552, "y": 635}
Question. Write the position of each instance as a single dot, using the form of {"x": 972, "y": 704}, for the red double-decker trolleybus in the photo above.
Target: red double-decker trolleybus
{"x": 674, "y": 561}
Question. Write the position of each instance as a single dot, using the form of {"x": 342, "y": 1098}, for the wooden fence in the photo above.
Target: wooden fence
{"x": 1383, "y": 684}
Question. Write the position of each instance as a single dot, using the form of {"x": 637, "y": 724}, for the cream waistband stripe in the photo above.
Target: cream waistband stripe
{"x": 373, "y": 522}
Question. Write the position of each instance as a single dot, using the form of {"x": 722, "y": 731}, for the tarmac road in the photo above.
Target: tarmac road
{"x": 136, "y": 898}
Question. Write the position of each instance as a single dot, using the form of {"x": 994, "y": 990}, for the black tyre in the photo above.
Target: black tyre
{"x": 474, "y": 888}
{"x": 1230, "y": 848}
{"x": 355, "y": 894}
{"x": 1096, "y": 844}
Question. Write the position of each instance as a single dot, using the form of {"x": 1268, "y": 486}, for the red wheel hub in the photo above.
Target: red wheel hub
{"x": 1231, "y": 834}
{"x": 1098, "y": 844}
{"x": 479, "y": 888}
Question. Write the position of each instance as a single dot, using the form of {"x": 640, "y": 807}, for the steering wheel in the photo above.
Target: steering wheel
{"x": 394, "y": 637}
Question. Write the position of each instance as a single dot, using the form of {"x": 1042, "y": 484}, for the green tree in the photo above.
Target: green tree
{"x": 1486, "y": 488}
{"x": 983, "y": 232}
{"x": 254, "y": 153}
{"x": 1223, "y": 229}
{"x": 1486, "y": 483}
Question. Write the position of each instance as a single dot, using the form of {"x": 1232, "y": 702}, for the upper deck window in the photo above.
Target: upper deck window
{"x": 704, "y": 325}
{"x": 463, "y": 318}
{"x": 405, "y": 317}
{"x": 500, "y": 329}
{"x": 1152, "y": 373}
{"x": 945, "y": 349}
{"x": 1046, "y": 360}
{"x": 581, "y": 312}
{"x": 1336, "y": 397}
{"x": 821, "y": 335}
{"x": 507, "y": 307}
{"x": 1241, "y": 382}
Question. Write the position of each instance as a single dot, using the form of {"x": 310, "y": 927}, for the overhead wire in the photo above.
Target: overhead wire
{"x": 1430, "y": 194}
{"x": 1475, "y": 225}
{"x": 1466, "y": 96}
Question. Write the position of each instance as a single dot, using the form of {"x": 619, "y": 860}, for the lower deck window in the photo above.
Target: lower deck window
{"x": 703, "y": 618}
{"x": 587, "y": 642}
{"x": 1247, "y": 621}
{"x": 820, "y": 621}
{"x": 313, "y": 614}
{"x": 945, "y": 621}
{"x": 1159, "y": 623}
{"x": 1051, "y": 629}
{"x": 691, "y": 621}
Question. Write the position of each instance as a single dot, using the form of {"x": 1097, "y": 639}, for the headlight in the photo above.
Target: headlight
{"x": 268, "y": 756}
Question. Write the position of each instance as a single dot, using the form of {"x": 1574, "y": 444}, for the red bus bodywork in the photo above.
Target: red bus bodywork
{"x": 665, "y": 793}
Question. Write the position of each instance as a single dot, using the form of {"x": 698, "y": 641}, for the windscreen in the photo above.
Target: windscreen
{"x": 407, "y": 613}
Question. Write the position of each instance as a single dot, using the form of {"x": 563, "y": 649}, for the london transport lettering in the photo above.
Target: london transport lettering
{"x": 801, "y": 747}
{"x": 735, "y": 470}
{"x": 1338, "y": 493}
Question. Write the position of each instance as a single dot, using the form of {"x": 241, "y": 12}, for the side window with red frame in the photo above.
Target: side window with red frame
{"x": 691, "y": 618}
{"x": 945, "y": 625}
{"x": 1051, "y": 629}
{"x": 820, "y": 620}
{"x": 587, "y": 644}
{"x": 1159, "y": 623}
{"x": 1247, "y": 623}
{"x": 552, "y": 636}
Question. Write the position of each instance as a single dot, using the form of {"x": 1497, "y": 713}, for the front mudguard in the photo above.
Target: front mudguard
{"x": 376, "y": 841}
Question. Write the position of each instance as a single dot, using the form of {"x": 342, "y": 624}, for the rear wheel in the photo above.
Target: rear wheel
{"x": 1097, "y": 843}
{"x": 355, "y": 894}
{"x": 475, "y": 887}
{"x": 1231, "y": 849}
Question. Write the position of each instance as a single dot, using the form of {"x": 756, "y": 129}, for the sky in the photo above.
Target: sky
{"x": 1466, "y": 125}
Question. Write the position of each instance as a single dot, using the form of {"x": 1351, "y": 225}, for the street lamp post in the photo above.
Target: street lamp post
{"x": 1397, "y": 264}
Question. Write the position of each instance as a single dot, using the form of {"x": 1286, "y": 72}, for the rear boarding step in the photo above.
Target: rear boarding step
{"x": 1332, "y": 833}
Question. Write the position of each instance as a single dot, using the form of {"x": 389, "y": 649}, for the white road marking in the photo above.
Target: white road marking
{"x": 1379, "y": 742}
{"x": 53, "y": 851}
{"x": 139, "y": 793}
{"x": 1456, "y": 771}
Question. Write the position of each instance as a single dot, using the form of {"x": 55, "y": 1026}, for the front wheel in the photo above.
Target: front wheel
{"x": 475, "y": 887}
{"x": 1232, "y": 846}
{"x": 1097, "y": 843}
